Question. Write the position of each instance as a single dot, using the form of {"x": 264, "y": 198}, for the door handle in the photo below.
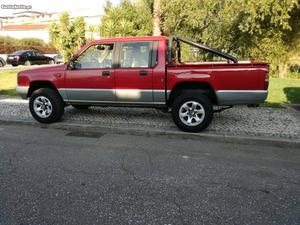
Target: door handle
{"x": 143, "y": 73}
{"x": 105, "y": 73}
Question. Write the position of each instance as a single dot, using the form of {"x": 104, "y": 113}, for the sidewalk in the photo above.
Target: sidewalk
{"x": 238, "y": 121}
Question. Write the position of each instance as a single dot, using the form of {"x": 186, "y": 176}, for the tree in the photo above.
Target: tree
{"x": 264, "y": 30}
{"x": 126, "y": 19}
{"x": 272, "y": 28}
{"x": 67, "y": 35}
{"x": 156, "y": 18}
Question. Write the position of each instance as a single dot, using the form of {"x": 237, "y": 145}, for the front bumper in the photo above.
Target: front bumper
{"x": 22, "y": 91}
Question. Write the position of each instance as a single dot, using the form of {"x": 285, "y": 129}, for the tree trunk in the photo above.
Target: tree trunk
{"x": 156, "y": 18}
{"x": 282, "y": 70}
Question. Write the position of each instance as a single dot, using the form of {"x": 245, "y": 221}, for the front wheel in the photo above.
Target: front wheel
{"x": 192, "y": 112}
{"x": 46, "y": 106}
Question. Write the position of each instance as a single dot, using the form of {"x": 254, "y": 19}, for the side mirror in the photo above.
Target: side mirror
{"x": 71, "y": 65}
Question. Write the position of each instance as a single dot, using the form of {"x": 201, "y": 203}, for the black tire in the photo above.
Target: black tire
{"x": 81, "y": 106}
{"x": 193, "y": 96}
{"x": 55, "y": 100}
{"x": 14, "y": 65}
{"x": 2, "y": 64}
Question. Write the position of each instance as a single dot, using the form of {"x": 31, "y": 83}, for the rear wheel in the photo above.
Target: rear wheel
{"x": 27, "y": 63}
{"x": 46, "y": 106}
{"x": 81, "y": 106}
{"x": 192, "y": 111}
{"x": 51, "y": 62}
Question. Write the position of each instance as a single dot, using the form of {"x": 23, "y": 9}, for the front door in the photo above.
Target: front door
{"x": 134, "y": 74}
{"x": 92, "y": 79}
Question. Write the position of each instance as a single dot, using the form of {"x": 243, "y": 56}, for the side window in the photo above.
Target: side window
{"x": 28, "y": 54}
{"x": 96, "y": 56}
{"x": 38, "y": 54}
{"x": 135, "y": 55}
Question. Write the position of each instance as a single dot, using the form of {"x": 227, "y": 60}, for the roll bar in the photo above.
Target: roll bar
{"x": 197, "y": 45}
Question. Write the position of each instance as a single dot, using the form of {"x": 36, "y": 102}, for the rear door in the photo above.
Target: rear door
{"x": 41, "y": 59}
{"x": 134, "y": 73}
{"x": 33, "y": 57}
{"x": 92, "y": 79}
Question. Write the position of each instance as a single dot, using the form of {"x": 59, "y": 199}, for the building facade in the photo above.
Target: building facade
{"x": 33, "y": 24}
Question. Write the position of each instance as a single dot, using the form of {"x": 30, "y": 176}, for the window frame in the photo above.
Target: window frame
{"x": 153, "y": 54}
{"x": 89, "y": 46}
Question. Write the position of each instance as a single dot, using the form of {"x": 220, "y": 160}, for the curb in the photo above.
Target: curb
{"x": 88, "y": 128}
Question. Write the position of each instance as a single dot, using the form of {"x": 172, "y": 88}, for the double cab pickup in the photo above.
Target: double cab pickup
{"x": 150, "y": 72}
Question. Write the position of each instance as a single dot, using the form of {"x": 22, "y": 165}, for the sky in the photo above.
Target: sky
{"x": 89, "y": 7}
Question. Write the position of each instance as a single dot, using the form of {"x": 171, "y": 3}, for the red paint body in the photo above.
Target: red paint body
{"x": 220, "y": 76}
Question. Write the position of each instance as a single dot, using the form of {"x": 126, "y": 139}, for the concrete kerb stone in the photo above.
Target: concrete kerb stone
{"x": 249, "y": 140}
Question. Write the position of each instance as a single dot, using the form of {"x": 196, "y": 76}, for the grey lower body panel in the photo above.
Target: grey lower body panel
{"x": 126, "y": 97}
{"x": 76, "y": 94}
{"x": 241, "y": 97}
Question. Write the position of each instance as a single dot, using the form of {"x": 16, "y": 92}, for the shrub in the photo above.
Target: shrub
{"x": 9, "y": 45}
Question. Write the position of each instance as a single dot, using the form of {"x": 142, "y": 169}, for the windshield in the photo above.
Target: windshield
{"x": 18, "y": 53}
{"x": 96, "y": 56}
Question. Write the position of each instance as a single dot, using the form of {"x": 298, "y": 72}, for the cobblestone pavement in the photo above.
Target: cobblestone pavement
{"x": 239, "y": 120}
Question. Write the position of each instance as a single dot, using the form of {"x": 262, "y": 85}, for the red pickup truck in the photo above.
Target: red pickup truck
{"x": 151, "y": 72}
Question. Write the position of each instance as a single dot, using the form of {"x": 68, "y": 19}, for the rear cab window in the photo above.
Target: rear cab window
{"x": 135, "y": 55}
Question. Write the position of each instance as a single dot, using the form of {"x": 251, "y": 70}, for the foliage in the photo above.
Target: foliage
{"x": 68, "y": 35}
{"x": 8, "y": 81}
{"x": 292, "y": 75}
{"x": 9, "y": 45}
{"x": 6, "y": 40}
{"x": 266, "y": 30}
{"x": 126, "y": 19}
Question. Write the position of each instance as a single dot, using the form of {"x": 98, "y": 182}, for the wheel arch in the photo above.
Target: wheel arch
{"x": 181, "y": 87}
{"x": 35, "y": 85}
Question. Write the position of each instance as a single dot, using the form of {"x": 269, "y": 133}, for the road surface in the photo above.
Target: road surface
{"x": 50, "y": 176}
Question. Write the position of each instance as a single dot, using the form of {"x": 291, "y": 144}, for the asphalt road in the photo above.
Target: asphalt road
{"x": 50, "y": 177}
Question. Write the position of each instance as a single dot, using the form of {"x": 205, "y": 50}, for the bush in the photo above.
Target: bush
{"x": 32, "y": 41}
{"x": 295, "y": 68}
{"x": 292, "y": 75}
{"x": 9, "y": 45}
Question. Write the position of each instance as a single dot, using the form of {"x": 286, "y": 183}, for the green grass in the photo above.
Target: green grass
{"x": 280, "y": 90}
{"x": 8, "y": 81}
{"x": 283, "y": 91}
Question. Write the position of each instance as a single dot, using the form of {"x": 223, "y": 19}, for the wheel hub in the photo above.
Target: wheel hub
{"x": 191, "y": 113}
{"x": 42, "y": 107}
